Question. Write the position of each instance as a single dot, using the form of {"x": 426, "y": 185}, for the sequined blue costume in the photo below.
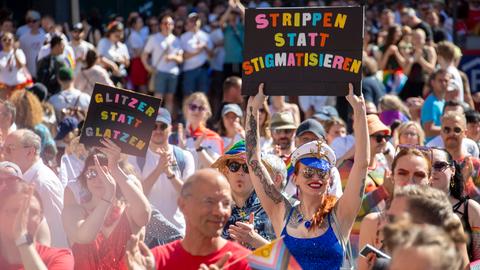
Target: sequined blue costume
{"x": 322, "y": 252}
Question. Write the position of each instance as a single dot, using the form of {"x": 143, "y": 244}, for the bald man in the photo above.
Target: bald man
{"x": 205, "y": 200}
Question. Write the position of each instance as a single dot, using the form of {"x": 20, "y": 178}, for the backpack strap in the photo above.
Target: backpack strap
{"x": 180, "y": 157}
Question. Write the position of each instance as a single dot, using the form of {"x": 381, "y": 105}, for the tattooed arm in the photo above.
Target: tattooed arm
{"x": 349, "y": 204}
{"x": 274, "y": 203}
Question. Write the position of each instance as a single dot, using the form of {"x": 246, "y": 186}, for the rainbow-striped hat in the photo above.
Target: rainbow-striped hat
{"x": 237, "y": 151}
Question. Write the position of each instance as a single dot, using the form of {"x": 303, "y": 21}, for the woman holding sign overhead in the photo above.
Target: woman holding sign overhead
{"x": 316, "y": 230}
{"x": 99, "y": 227}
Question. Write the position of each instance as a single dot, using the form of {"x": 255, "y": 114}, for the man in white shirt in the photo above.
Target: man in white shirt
{"x": 69, "y": 96}
{"x": 166, "y": 55}
{"x": 80, "y": 47}
{"x": 32, "y": 41}
{"x": 197, "y": 47}
{"x": 22, "y": 147}
{"x": 163, "y": 170}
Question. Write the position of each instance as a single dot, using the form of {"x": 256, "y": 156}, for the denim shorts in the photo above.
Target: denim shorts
{"x": 195, "y": 80}
{"x": 165, "y": 83}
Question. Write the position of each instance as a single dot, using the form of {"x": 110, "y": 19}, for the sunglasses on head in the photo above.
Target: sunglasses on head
{"x": 447, "y": 130}
{"x": 440, "y": 166}
{"x": 194, "y": 107}
{"x": 161, "y": 126}
{"x": 235, "y": 166}
{"x": 380, "y": 137}
{"x": 309, "y": 172}
{"x": 90, "y": 174}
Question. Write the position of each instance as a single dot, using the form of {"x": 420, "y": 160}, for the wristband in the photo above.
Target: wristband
{"x": 171, "y": 176}
{"x": 199, "y": 149}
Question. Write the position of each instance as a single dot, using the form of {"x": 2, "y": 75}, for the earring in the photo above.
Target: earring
{"x": 452, "y": 183}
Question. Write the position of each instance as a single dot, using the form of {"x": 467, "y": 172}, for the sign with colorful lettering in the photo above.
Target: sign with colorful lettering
{"x": 303, "y": 51}
{"x": 124, "y": 116}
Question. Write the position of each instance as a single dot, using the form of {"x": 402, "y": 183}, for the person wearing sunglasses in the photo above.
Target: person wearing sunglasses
{"x": 283, "y": 129}
{"x": 12, "y": 67}
{"x": 113, "y": 207}
{"x": 447, "y": 177}
{"x": 31, "y": 41}
{"x": 246, "y": 209}
{"x": 453, "y": 135}
{"x": 311, "y": 230}
{"x": 205, "y": 144}
{"x": 164, "y": 169}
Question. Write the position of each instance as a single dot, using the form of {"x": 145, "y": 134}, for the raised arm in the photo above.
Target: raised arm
{"x": 274, "y": 203}
{"x": 139, "y": 207}
{"x": 349, "y": 204}
{"x": 84, "y": 230}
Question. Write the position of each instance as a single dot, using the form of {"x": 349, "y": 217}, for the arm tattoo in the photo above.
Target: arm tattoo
{"x": 362, "y": 189}
{"x": 268, "y": 186}
{"x": 251, "y": 137}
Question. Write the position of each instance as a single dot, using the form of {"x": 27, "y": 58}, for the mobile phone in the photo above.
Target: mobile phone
{"x": 367, "y": 249}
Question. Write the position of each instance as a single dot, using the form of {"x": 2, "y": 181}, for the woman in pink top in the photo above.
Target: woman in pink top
{"x": 91, "y": 73}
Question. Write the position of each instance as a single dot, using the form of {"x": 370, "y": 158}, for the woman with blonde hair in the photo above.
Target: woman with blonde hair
{"x": 204, "y": 143}
{"x": 30, "y": 114}
{"x": 409, "y": 133}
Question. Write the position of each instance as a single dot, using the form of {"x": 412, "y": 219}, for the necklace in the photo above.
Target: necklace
{"x": 301, "y": 219}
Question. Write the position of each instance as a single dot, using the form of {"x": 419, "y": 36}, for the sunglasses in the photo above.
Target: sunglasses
{"x": 379, "y": 137}
{"x": 161, "y": 126}
{"x": 262, "y": 110}
{"x": 32, "y": 21}
{"x": 309, "y": 172}
{"x": 90, "y": 174}
{"x": 235, "y": 166}
{"x": 447, "y": 130}
{"x": 194, "y": 107}
{"x": 7, "y": 39}
{"x": 440, "y": 166}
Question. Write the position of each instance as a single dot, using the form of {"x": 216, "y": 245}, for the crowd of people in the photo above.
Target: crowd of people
{"x": 396, "y": 168}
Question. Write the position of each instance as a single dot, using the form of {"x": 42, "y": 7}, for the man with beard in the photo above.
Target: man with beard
{"x": 283, "y": 132}
{"x": 454, "y": 127}
{"x": 205, "y": 200}
{"x": 164, "y": 169}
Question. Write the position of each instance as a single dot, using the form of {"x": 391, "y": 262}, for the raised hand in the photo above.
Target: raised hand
{"x": 21, "y": 219}
{"x": 355, "y": 101}
{"x": 112, "y": 151}
{"x": 139, "y": 257}
{"x": 239, "y": 129}
{"x": 258, "y": 100}
{"x": 108, "y": 180}
{"x": 218, "y": 265}
{"x": 165, "y": 162}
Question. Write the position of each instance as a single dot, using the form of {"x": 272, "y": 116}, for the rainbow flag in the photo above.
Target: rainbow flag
{"x": 273, "y": 256}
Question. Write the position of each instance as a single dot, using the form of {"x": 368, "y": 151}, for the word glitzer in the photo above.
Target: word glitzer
{"x": 125, "y": 100}
{"x": 301, "y": 19}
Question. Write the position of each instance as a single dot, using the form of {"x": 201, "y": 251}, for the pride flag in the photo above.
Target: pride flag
{"x": 273, "y": 256}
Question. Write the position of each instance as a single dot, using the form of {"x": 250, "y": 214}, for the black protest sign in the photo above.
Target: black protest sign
{"x": 303, "y": 51}
{"x": 125, "y": 117}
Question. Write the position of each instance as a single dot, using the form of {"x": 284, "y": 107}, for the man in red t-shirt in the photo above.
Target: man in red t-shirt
{"x": 205, "y": 200}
